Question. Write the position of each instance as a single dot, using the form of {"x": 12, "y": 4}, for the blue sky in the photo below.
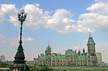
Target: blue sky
{"x": 65, "y": 24}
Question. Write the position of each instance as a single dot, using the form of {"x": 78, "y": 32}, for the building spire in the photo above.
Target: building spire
{"x": 48, "y": 42}
{"x": 90, "y": 34}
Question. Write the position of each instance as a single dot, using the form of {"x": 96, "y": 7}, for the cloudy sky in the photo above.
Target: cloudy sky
{"x": 64, "y": 23}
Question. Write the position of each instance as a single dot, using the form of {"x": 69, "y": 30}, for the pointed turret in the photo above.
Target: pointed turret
{"x": 79, "y": 52}
{"x": 83, "y": 50}
{"x": 48, "y": 55}
{"x": 48, "y": 50}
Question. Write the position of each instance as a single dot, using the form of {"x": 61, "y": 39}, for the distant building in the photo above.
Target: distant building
{"x": 99, "y": 58}
{"x": 70, "y": 58}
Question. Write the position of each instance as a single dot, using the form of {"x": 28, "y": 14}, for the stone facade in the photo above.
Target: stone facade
{"x": 70, "y": 58}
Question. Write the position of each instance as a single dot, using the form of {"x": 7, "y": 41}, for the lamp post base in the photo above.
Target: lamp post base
{"x": 19, "y": 67}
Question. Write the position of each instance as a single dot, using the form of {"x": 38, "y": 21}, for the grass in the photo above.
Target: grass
{"x": 80, "y": 68}
{"x": 46, "y": 68}
{"x": 84, "y": 70}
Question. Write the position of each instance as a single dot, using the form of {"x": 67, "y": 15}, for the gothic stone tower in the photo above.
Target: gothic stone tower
{"x": 91, "y": 50}
{"x": 48, "y": 54}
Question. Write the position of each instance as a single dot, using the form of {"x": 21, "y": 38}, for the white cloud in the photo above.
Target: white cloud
{"x": 59, "y": 20}
{"x": 101, "y": 0}
{"x": 36, "y": 17}
{"x": 99, "y": 7}
{"x": 95, "y": 18}
{"x": 28, "y": 39}
{"x": 92, "y": 21}
{"x": 6, "y": 10}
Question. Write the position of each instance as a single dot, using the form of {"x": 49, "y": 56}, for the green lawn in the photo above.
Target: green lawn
{"x": 83, "y": 70}
{"x": 46, "y": 68}
{"x": 80, "y": 68}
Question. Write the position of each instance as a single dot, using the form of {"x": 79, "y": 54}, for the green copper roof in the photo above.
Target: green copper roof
{"x": 70, "y": 52}
{"x": 90, "y": 41}
{"x": 44, "y": 57}
{"x": 49, "y": 48}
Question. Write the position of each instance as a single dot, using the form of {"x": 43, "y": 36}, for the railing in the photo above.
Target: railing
{"x": 4, "y": 69}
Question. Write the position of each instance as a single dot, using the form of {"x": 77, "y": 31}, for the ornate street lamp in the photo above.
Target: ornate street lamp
{"x": 19, "y": 62}
{"x": 19, "y": 57}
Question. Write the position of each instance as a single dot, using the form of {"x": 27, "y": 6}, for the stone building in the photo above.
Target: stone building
{"x": 99, "y": 58}
{"x": 71, "y": 57}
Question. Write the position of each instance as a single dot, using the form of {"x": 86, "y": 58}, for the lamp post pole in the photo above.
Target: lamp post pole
{"x": 21, "y": 17}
